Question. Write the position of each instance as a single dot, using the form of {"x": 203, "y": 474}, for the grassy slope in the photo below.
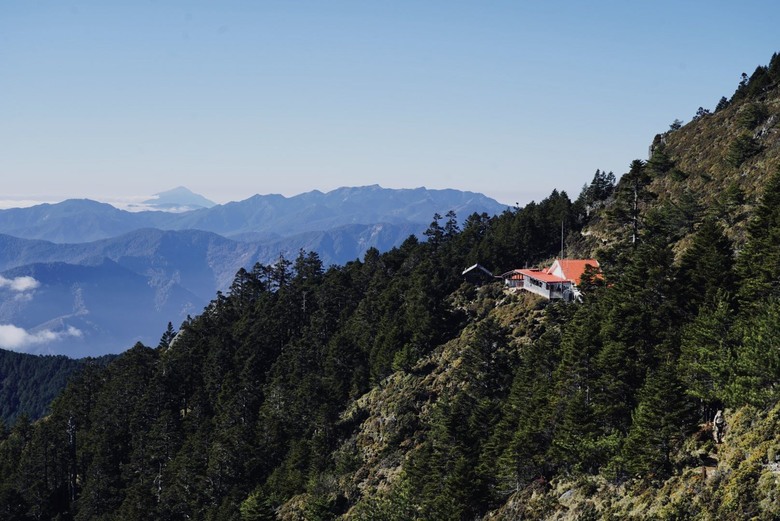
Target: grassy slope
{"x": 732, "y": 481}
{"x": 702, "y": 152}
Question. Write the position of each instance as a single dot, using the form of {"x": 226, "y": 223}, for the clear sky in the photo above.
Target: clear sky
{"x": 231, "y": 98}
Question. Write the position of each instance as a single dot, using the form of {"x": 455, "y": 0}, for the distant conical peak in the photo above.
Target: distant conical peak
{"x": 180, "y": 196}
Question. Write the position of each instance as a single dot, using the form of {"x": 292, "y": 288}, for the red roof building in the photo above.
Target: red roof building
{"x": 546, "y": 284}
{"x": 559, "y": 281}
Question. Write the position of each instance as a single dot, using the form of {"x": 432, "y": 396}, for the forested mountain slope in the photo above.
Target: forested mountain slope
{"x": 389, "y": 389}
{"x": 29, "y": 383}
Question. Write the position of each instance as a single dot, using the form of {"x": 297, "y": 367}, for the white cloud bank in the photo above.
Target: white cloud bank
{"x": 19, "y": 283}
{"x": 5, "y": 204}
{"x": 19, "y": 339}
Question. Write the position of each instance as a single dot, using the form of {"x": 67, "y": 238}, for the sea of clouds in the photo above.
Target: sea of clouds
{"x": 19, "y": 339}
{"x": 127, "y": 203}
{"x": 20, "y": 284}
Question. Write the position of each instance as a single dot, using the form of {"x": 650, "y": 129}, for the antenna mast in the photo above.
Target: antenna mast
{"x": 562, "y": 256}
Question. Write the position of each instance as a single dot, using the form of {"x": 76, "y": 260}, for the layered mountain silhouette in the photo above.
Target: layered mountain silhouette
{"x": 269, "y": 216}
{"x": 107, "y": 278}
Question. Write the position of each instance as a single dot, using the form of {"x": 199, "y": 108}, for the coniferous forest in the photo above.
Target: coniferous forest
{"x": 391, "y": 389}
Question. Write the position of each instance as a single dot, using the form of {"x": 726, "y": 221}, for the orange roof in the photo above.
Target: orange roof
{"x": 573, "y": 269}
{"x": 542, "y": 275}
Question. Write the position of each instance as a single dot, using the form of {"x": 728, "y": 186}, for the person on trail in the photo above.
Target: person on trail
{"x": 718, "y": 426}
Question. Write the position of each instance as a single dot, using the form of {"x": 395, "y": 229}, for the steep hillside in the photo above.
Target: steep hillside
{"x": 733, "y": 480}
{"x": 717, "y": 164}
{"x": 736, "y": 147}
{"x": 398, "y": 422}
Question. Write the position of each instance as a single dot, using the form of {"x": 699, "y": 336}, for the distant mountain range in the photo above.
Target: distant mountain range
{"x": 105, "y": 278}
{"x": 270, "y": 216}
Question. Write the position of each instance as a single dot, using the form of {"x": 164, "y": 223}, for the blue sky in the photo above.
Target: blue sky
{"x": 231, "y": 98}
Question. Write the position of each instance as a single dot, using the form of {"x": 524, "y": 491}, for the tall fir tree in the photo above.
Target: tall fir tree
{"x": 758, "y": 264}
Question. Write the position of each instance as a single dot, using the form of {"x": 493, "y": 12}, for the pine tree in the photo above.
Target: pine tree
{"x": 519, "y": 443}
{"x": 661, "y": 420}
{"x": 706, "y": 354}
{"x": 758, "y": 264}
{"x": 705, "y": 272}
{"x": 435, "y": 232}
{"x": 257, "y": 507}
{"x": 167, "y": 337}
{"x": 756, "y": 362}
{"x": 631, "y": 195}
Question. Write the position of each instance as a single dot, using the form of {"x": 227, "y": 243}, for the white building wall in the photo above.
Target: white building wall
{"x": 533, "y": 288}
{"x": 556, "y": 270}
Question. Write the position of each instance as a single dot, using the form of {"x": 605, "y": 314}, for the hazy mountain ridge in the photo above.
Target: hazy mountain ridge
{"x": 75, "y": 221}
{"x": 200, "y": 259}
